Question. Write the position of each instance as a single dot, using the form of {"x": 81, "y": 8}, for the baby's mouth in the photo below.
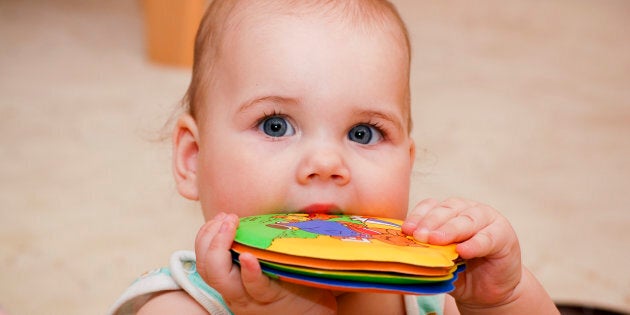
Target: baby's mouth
{"x": 322, "y": 208}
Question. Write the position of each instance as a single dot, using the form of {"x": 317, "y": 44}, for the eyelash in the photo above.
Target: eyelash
{"x": 265, "y": 116}
{"x": 378, "y": 126}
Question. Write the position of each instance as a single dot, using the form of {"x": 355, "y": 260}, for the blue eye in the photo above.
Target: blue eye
{"x": 276, "y": 126}
{"x": 365, "y": 134}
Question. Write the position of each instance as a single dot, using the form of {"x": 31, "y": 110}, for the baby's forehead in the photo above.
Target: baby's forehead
{"x": 358, "y": 15}
{"x": 228, "y": 23}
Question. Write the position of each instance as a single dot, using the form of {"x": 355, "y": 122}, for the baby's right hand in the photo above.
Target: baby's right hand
{"x": 246, "y": 290}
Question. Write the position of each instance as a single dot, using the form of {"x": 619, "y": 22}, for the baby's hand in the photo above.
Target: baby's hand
{"x": 246, "y": 290}
{"x": 486, "y": 241}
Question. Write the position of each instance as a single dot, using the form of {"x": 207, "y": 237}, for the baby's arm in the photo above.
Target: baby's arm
{"x": 246, "y": 290}
{"x": 495, "y": 282}
{"x": 172, "y": 302}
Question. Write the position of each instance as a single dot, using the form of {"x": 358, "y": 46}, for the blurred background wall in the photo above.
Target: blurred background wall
{"x": 524, "y": 105}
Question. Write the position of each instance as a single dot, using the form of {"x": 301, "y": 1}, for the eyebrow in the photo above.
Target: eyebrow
{"x": 272, "y": 99}
{"x": 382, "y": 115}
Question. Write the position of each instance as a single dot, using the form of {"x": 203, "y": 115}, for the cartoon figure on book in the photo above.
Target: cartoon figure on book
{"x": 367, "y": 230}
{"x": 304, "y": 107}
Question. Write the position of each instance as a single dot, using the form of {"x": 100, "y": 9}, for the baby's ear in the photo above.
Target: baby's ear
{"x": 185, "y": 151}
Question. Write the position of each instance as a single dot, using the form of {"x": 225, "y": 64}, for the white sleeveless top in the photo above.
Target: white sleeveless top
{"x": 182, "y": 275}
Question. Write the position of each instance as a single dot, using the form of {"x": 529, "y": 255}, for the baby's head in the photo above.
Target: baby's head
{"x": 298, "y": 106}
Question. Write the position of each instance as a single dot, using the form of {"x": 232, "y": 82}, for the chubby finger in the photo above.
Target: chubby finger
{"x": 464, "y": 225}
{"x": 204, "y": 237}
{"x": 495, "y": 241}
{"x": 206, "y": 234}
{"x": 214, "y": 260}
{"x": 434, "y": 219}
{"x": 415, "y": 216}
{"x": 258, "y": 286}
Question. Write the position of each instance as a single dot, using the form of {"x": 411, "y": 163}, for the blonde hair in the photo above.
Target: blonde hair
{"x": 222, "y": 16}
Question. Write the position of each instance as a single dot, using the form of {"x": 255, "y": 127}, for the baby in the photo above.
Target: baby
{"x": 304, "y": 106}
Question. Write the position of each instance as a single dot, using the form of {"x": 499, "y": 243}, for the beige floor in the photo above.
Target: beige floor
{"x": 521, "y": 104}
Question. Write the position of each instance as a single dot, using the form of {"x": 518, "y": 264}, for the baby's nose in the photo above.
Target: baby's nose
{"x": 323, "y": 165}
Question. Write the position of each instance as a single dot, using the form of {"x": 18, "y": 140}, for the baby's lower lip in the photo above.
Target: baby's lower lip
{"x": 322, "y": 208}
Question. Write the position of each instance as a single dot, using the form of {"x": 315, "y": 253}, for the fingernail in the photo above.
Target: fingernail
{"x": 422, "y": 235}
{"x": 225, "y": 226}
{"x": 409, "y": 226}
{"x": 220, "y": 216}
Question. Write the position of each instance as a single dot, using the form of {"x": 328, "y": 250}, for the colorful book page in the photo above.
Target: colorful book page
{"x": 340, "y": 237}
{"x": 357, "y": 286}
{"x": 363, "y": 276}
{"x": 343, "y": 264}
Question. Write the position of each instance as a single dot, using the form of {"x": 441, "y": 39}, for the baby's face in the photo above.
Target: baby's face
{"x": 307, "y": 116}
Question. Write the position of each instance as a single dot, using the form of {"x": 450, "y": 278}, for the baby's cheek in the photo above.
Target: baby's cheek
{"x": 258, "y": 195}
{"x": 386, "y": 198}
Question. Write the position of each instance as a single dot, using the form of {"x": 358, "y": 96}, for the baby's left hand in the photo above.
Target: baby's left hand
{"x": 486, "y": 240}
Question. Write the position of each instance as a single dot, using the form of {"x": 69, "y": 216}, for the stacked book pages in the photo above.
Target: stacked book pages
{"x": 346, "y": 253}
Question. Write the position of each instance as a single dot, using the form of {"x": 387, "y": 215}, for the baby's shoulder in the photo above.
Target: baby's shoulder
{"x": 172, "y": 302}
{"x": 176, "y": 287}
